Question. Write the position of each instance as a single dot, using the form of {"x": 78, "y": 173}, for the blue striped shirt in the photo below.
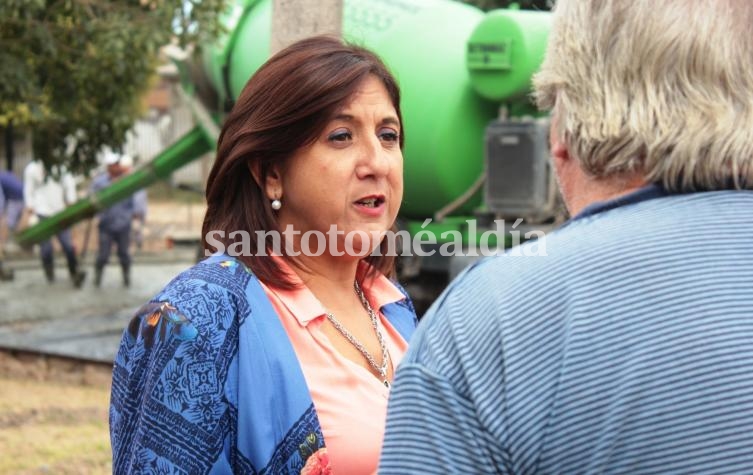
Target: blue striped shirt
{"x": 628, "y": 348}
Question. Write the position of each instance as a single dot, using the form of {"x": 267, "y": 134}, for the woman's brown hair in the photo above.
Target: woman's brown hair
{"x": 284, "y": 107}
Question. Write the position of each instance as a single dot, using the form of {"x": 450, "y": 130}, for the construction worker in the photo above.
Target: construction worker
{"x": 115, "y": 222}
{"x": 44, "y": 196}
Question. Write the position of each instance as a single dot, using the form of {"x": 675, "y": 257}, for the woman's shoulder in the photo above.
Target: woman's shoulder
{"x": 207, "y": 280}
{"x": 208, "y": 298}
{"x": 223, "y": 271}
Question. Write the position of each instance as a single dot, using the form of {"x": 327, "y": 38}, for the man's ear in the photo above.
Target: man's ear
{"x": 271, "y": 184}
{"x": 559, "y": 150}
{"x": 557, "y": 145}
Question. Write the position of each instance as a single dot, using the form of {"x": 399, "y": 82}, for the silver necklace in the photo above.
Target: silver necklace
{"x": 381, "y": 369}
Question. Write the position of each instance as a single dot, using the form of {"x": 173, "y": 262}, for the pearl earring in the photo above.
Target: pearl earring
{"x": 276, "y": 204}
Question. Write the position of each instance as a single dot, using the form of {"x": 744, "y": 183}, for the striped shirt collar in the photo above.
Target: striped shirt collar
{"x": 642, "y": 194}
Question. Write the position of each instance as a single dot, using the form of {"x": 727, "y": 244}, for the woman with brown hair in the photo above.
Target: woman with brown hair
{"x": 286, "y": 338}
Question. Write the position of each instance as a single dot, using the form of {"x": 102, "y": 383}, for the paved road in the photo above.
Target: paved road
{"x": 87, "y": 322}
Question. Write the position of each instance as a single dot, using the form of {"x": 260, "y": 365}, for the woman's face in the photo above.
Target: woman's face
{"x": 351, "y": 177}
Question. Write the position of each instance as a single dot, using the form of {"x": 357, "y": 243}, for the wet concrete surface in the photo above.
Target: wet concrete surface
{"x": 86, "y": 323}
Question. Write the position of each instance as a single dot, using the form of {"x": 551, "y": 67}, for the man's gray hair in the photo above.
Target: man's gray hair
{"x": 662, "y": 88}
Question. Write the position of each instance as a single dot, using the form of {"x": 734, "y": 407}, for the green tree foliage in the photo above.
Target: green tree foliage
{"x": 74, "y": 71}
{"x": 524, "y": 4}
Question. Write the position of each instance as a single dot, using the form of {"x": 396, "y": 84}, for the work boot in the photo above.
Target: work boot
{"x": 49, "y": 271}
{"x": 98, "y": 270}
{"x": 78, "y": 279}
{"x": 5, "y": 274}
{"x": 77, "y": 276}
{"x": 126, "y": 276}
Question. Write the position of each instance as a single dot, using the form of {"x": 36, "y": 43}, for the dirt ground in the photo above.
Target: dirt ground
{"x": 53, "y": 416}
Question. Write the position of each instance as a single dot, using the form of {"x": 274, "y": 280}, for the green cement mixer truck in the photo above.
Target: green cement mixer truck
{"x": 476, "y": 150}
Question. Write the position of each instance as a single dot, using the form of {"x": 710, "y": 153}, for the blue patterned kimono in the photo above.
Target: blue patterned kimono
{"x": 207, "y": 381}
